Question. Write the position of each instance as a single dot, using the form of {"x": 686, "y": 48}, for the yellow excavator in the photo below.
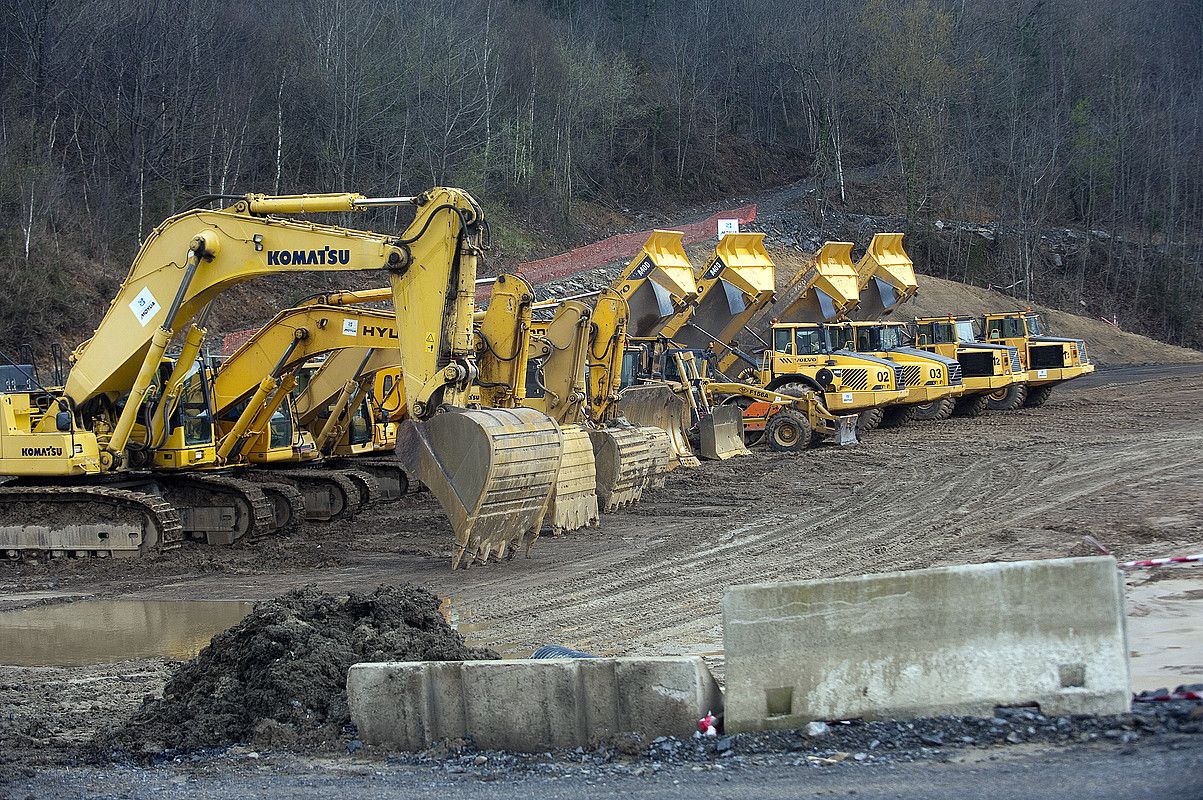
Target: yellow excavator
{"x": 575, "y": 376}
{"x": 78, "y": 477}
{"x": 256, "y": 416}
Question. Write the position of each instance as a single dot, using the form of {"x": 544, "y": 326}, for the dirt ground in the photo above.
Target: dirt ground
{"x": 1116, "y": 456}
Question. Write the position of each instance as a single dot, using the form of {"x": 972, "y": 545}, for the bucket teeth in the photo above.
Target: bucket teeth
{"x": 660, "y": 450}
{"x": 657, "y": 405}
{"x": 574, "y": 502}
{"x": 624, "y": 460}
{"x": 493, "y": 472}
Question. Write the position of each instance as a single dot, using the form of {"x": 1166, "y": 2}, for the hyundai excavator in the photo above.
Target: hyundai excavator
{"x": 80, "y": 482}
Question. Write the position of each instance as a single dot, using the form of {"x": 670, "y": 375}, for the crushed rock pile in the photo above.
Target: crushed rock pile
{"x": 279, "y": 677}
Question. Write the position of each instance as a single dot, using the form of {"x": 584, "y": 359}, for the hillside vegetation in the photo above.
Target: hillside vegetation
{"x": 561, "y": 114}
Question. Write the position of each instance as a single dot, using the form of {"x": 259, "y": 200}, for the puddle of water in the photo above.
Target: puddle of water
{"x": 106, "y": 631}
{"x": 1165, "y": 633}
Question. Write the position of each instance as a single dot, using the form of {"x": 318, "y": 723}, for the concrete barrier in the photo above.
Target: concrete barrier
{"x": 529, "y": 705}
{"x": 952, "y": 640}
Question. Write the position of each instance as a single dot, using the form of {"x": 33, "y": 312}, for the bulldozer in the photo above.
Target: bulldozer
{"x": 986, "y": 369}
{"x": 1047, "y": 360}
{"x": 80, "y": 483}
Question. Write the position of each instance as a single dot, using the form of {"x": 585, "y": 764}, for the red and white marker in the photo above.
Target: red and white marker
{"x": 1161, "y": 562}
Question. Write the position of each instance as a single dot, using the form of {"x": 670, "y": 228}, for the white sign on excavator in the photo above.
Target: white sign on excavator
{"x": 144, "y": 307}
{"x": 726, "y": 226}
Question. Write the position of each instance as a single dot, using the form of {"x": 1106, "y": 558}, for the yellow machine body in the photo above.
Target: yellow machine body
{"x": 985, "y": 368}
{"x": 191, "y": 259}
{"x": 885, "y": 277}
{"x": 1046, "y": 359}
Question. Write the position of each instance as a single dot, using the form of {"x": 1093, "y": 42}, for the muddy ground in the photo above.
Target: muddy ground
{"x": 1117, "y": 456}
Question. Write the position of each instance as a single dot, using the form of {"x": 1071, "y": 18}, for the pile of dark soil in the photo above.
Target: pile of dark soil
{"x": 279, "y": 677}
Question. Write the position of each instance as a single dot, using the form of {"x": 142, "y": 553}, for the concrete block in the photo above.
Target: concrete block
{"x": 951, "y": 640}
{"x": 529, "y": 705}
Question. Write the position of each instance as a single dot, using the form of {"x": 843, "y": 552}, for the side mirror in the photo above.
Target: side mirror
{"x": 62, "y": 421}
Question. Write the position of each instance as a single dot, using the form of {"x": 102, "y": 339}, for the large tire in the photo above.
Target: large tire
{"x": 1007, "y": 399}
{"x": 935, "y": 410}
{"x": 973, "y": 406}
{"x": 1037, "y": 395}
{"x": 788, "y": 431}
{"x": 897, "y": 416}
{"x": 868, "y": 420}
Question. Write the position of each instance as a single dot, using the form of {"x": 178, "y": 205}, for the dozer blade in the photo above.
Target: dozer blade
{"x": 624, "y": 459}
{"x": 844, "y": 432}
{"x": 661, "y": 447}
{"x": 574, "y": 502}
{"x": 721, "y": 434}
{"x": 656, "y": 405}
{"x": 493, "y": 472}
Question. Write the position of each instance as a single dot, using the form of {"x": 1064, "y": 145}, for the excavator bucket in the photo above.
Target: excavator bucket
{"x": 624, "y": 458}
{"x": 660, "y": 446}
{"x": 574, "y": 503}
{"x": 722, "y": 434}
{"x": 656, "y": 405}
{"x": 493, "y": 471}
{"x": 887, "y": 276}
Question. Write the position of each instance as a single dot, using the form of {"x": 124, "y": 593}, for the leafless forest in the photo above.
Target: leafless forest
{"x": 1032, "y": 114}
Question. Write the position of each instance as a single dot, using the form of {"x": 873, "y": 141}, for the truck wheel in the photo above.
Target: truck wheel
{"x": 787, "y": 431}
{"x": 897, "y": 416}
{"x": 935, "y": 410}
{"x": 868, "y": 420}
{"x": 1037, "y": 396}
{"x": 1007, "y": 399}
{"x": 973, "y": 406}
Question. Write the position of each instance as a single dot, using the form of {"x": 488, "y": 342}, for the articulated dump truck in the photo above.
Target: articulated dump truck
{"x": 1046, "y": 359}
{"x": 886, "y": 279}
{"x": 80, "y": 460}
{"x": 986, "y": 369}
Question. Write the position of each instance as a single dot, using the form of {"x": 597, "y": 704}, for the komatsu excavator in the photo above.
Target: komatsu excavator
{"x": 80, "y": 478}
{"x": 1048, "y": 360}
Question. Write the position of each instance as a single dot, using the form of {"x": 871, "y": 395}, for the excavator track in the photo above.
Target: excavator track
{"x": 202, "y": 502}
{"x": 329, "y": 494}
{"x": 370, "y": 489}
{"x": 85, "y": 521}
{"x": 288, "y": 506}
{"x": 394, "y": 482}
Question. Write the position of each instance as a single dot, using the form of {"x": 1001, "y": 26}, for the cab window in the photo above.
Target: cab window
{"x": 965, "y": 331}
{"x": 630, "y": 368}
{"x": 193, "y": 411}
{"x": 359, "y": 431}
{"x": 808, "y": 341}
{"x": 281, "y": 429}
{"x": 1035, "y": 326}
{"x": 783, "y": 340}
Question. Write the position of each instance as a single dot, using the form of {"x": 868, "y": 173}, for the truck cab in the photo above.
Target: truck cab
{"x": 849, "y": 382}
{"x": 1046, "y": 359}
{"x": 930, "y": 377}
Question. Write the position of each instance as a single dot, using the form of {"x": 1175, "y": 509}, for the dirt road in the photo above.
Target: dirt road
{"x": 1116, "y": 457}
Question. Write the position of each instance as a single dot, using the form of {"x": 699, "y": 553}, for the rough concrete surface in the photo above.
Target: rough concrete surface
{"x": 960, "y": 640}
{"x": 529, "y": 705}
